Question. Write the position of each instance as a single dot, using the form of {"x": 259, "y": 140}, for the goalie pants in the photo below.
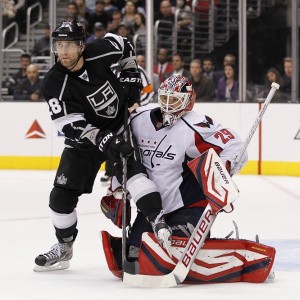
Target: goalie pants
{"x": 182, "y": 216}
{"x": 75, "y": 176}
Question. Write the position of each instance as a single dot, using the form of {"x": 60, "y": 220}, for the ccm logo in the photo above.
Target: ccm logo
{"x": 104, "y": 140}
{"x": 199, "y": 236}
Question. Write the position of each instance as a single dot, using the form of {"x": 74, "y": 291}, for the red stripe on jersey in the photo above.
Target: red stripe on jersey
{"x": 203, "y": 145}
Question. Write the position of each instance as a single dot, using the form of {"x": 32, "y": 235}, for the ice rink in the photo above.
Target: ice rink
{"x": 268, "y": 206}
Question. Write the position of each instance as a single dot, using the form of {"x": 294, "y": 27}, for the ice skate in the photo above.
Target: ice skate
{"x": 162, "y": 232}
{"x": 58, "y": 258}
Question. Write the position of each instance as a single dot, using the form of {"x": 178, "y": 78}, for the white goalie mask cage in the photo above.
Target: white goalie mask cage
{"x": 175, "y": 96}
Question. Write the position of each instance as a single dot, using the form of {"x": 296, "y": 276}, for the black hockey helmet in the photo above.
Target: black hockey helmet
{"x": 69, "y": 31}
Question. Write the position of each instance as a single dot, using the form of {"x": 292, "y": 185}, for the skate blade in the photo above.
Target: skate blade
{"x": 61, "y": 265}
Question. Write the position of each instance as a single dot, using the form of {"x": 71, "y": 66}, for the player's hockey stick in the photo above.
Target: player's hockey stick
{"x": 130, "y": 267}
{"x": 203, "y": 226}
{"x": 274, "y": 87}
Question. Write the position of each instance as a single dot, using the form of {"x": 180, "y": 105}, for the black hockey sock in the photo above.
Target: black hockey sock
{"x": 66, "y": 235}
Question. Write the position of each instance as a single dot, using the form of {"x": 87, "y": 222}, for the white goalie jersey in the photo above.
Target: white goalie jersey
{"x": 166, "y": 151}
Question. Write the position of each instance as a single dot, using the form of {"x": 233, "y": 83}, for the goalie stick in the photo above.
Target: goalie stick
{"x": 203, "y": 226}
{"x": 130, "y": 267}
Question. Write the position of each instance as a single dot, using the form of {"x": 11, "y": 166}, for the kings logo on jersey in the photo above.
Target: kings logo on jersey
{"x": 105, "y": 101}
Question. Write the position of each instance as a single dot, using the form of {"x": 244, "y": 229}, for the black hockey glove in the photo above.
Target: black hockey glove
{"x": 132, "y": 82}
{"x": 113, "y": 145}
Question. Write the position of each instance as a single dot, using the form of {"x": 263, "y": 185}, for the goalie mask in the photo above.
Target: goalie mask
{"x": 175, "y": 97}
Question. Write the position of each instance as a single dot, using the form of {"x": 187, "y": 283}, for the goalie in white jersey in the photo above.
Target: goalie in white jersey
{"x": 170, "y": 136}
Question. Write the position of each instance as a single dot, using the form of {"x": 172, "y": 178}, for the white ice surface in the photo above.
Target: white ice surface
{"x": 268, "y": 206}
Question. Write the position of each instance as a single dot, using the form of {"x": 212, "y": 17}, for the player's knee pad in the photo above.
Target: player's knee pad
{"x": 62, "y": 200}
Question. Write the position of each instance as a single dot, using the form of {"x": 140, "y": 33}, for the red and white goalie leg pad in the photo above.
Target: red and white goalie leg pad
{"x": 112, "y": 247}
{"x": 219, "y": 260}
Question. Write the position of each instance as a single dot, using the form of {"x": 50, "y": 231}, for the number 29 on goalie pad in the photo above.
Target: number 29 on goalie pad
{"x": 214, "y": 180}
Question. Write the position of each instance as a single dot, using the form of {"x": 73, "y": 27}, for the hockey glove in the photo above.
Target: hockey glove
{"x": 132, "y": 83}
{"x": 113, "y": 145}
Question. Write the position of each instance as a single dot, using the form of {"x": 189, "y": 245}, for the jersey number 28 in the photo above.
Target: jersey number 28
{"x": 54, "y": 106}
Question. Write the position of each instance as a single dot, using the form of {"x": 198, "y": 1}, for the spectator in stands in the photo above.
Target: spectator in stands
{"x": 109, "y": 7}
{"x": 163, "y": 66}
{"x": 140, "y": 30}
{"x": 228, "y": 59}
{"x": 11, "y": 82}
{"x": 20, "y": 15}
{"x": 178, "y": 66}
{"x": 209, "y": 70}
{"x": 98, "y": 16}
{"x": 8, "y": 16}
{"x": 165, "y": 28}
{"x": 29, "y": 87}
{"x": 8, "y": 12}
{"x": 139, "y": 4}
{"x": 73, "y": 14}
{"x": 203, "y": 85}
{"x": 273, "y": 75}
{"x": 128, "y": 17}
{"x": 116, "y": 20}
{"x": 140, "y": 59}
{"x": 42, "y": 45}
{"x": 228, "y": 86}
{"x": 91, "y": 4}
{"x": 286, "y": 86}
{"x": 83, "y": 10}
{"x": 124, "y": 31}
{"x": 183, "y": 26}
{"x": 99, "y": 33}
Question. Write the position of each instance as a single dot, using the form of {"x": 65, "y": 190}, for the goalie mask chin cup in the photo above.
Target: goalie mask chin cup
{"x": 175, "y": 97}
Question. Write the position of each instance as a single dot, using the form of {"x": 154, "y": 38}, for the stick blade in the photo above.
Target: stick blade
{"x": 169, "y": 280}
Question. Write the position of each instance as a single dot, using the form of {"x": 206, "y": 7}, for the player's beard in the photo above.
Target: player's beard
{"x": 70, "y": 62}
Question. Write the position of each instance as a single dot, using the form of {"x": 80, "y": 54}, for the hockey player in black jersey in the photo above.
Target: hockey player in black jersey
{"x": 87, "y": 103}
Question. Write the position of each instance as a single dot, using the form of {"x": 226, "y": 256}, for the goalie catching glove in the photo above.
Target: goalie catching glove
{"x": 112, "y": 207}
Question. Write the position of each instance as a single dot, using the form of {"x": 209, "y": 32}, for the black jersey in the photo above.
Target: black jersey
{"x": 92, "y": 96}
